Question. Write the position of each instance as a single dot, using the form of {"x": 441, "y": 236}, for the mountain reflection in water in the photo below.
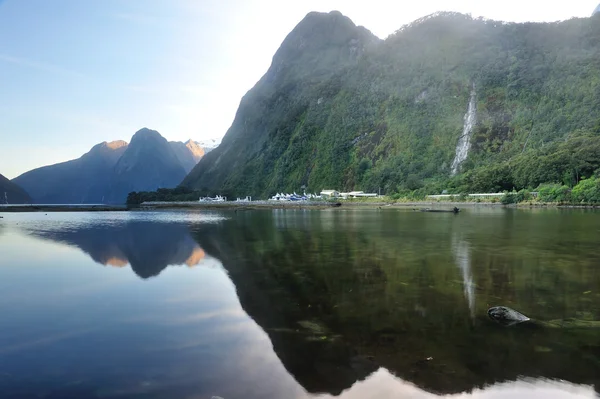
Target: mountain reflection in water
{"x": 148, "y": 247}
{"x": 363, "y": 304}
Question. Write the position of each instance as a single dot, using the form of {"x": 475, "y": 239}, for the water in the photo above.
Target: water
{"x": 464, "y": 142}
{"x": 298, "y": 304}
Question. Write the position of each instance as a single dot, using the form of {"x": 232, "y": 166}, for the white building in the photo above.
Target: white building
{"x": 330, "y": 193}
{"x": 357, "y": 194}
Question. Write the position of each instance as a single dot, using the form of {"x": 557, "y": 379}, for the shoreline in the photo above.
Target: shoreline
{"x": 255, "y": 205}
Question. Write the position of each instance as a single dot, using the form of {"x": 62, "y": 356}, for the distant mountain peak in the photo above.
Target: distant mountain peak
{"x": 596, "y": 10}
{"x": 188, "y": 153}
{"x": 109, "y": 171}
{"x": 145, "y": 133}
{"x": 195, "y": 149}
{"x": 320, "y": 44}
{"x": 116, "y": 144}
{"x": 112, "y": 149}
{"x": 209, "y": 144}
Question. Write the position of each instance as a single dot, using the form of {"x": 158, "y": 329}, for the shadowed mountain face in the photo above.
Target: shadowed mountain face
{"x": 11, "y": 193}
{"x": 109, "y": 171}
{"x": 82, "y": 180}
{"x": 148, "y": 163}
{"x": 340, "y": 108}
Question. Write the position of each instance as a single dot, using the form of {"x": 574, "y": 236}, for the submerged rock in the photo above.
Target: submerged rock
{"x": 506, "y": 316}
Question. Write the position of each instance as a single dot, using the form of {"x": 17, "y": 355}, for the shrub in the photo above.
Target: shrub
{"x": 587, "y": 190}
{"x": 523, "y": 195}
{"x": 554, "y": 193}
{"x": 509, "y": 198}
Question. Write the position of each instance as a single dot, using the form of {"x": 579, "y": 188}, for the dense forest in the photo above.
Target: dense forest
{"x": 339, "y": 108}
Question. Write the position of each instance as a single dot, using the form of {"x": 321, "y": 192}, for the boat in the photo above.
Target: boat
{"x": 288, "y": 197}
{"x": 218, "y": 198}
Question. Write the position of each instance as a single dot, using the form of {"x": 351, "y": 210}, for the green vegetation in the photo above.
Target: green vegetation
{"x": 587, "y": 191}
{"x": 349, "y": 112}
{"x": 163, "y": 195}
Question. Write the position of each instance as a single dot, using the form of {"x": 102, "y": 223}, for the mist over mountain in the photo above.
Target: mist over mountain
{"x": 110, "y": 170}
{"x": 446, "y": 102}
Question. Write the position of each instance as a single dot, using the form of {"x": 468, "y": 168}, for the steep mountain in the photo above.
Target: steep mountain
{"x": 188, "y": 153}
{"x": 82, "y": 180}
{"x": 148, "y": 163}
{"x": 10, "y": 193}
{"x": 446, "y": 95}
{"x": 109, "y": 171}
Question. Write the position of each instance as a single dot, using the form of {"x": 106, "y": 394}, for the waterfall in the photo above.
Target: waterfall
{"x": 464, "y": 142}
{"x": 462, "y": 257}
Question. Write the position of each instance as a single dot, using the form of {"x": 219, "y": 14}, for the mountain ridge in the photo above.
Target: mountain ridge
{"x": 273, "y": 91}
{"x": 109, "y": 170}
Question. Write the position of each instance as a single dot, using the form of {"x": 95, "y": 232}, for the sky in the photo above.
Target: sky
{"x": 75, "y": 73}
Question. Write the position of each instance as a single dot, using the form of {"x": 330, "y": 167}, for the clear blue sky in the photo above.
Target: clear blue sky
{"x": 74, "y": 73}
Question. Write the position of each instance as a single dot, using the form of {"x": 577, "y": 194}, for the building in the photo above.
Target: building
{"x": 330, "y": 193}
{"x": 357, "y": 194}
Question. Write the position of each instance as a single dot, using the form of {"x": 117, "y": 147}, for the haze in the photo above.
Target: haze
{"x": 73, "y": 73}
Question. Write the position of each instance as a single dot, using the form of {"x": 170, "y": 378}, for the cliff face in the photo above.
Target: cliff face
{"x": 316, "y": 51}
{"x": 340, "y": 108}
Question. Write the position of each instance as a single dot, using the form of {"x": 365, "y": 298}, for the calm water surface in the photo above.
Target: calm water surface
{"x": 299, "y": 304}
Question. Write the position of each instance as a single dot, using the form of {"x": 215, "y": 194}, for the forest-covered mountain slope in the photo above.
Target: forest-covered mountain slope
{"x": 339, "y": 108}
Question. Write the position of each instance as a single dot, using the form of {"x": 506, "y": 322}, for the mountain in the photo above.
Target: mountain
{"x": 445, "y": 102}
{"x": 188, "y": 153}
{"x": 596, "y": 10}
{"x": 109, "y": 171}
{"x": 148, "y": 163}
{"x": 11, "y": 193}
{"x": 82, "y": 180}
{"x": 209, "y": 144}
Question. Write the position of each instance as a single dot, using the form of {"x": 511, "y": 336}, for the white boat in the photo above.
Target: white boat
{"x": 218, "y": 198}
